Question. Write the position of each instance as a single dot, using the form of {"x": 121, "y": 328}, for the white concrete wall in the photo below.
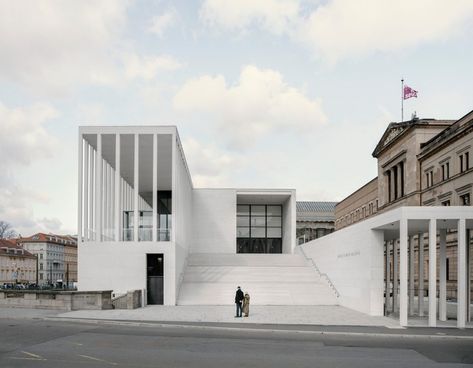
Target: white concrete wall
{"x": 182, "y": 210}
{"x": 353, "y": 259}
{"x": 289, "y": 224}
{"x": 121, "y": 266}
{"x": 214, "y": 221}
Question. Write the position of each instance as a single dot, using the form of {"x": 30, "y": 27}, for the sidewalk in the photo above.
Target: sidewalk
{"x": 292, "y": 315}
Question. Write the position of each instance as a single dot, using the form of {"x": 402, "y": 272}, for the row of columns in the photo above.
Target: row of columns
{"x": 102, "y": 191}
{"x": 395, "y": 179}
{"x": 405, "y": 274}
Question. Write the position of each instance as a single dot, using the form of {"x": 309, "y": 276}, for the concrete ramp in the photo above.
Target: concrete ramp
{"x": 270, "y": 279}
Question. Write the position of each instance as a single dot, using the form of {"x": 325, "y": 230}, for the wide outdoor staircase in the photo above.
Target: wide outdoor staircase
{"x": 270, "y": 279}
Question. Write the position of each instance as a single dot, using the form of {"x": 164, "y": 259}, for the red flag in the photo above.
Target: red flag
{"x": 409, "y": 92}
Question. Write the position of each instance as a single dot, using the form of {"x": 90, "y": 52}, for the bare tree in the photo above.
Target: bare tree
{"x": 6, "y": 231}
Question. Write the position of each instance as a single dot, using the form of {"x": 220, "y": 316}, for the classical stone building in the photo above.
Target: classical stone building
{"x": 314, "y": 220}
{"x": 57, "y": 257}
{"x": 16, "y": 264}
{"x": 421, "y": 162}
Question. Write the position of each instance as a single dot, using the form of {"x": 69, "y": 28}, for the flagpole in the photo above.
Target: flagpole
{"x": 402, "y": 99}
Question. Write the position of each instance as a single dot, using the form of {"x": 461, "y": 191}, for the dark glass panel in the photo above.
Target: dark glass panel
{"x": 243, "y": 210}
{"x": 274, "y": 210}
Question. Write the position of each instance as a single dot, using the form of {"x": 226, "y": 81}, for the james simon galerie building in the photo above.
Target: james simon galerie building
{"x": 402, "y": 243}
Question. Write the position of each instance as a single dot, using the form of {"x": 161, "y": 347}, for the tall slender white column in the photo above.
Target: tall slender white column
{"x": 136, "y": 189}
{"x": 388, "y": 276}
{"x": 432, "y": 273}
{"x": 420, "y": 297}
{"x": 98, "y": 190}
{"x": 174, "y": 190}
{"x": 411, "y": 275}
{"x": 403, "y": 268}
{"x": 81, "y": 186}
{"x": 92, "y": 193}
{"x": 117, "y": 188}
{"x": 110, "y": 202}
{"x": 155, "y": 187}
{"x": 461, "y": 283}
{"x": 105, "y": 200}
{"x": 395, "y": 275}
{"x": 86, "y": 207}
{"x": 443, "y": 276}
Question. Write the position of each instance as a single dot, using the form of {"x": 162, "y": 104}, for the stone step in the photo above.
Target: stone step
{"x": 242, "y": 274}
{"x": 224, "y": 259}
{"x": 260, "y": 293}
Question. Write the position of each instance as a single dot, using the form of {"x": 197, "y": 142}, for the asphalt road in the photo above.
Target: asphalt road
{"x": 39, "y": 343}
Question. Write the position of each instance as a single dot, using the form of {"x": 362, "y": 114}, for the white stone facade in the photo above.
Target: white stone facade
{"x": 138, "y": 175}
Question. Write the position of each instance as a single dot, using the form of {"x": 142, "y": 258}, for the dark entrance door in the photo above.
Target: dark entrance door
{"x": 155, "y": 278}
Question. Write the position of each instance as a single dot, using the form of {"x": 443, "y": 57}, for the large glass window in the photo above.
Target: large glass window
{"x": 146, "y": 220}
{"x": 259, "y": 228}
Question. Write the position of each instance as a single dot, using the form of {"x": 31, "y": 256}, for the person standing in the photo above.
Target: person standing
{"x": 246, "y": 304}
{"x": 238, "y": 299}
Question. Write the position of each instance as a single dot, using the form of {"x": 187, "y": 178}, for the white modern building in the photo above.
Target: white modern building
{"x": 355, "y": 260}
{"x": 143, "y": 225}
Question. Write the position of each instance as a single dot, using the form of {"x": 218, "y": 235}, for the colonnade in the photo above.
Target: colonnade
{"x": 402, "y": 299}
{"x": 395, "y": 180}
{"x": 104, "y": 194}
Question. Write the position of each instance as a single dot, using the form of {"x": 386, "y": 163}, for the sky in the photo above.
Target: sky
{"x": 265, "y": 93}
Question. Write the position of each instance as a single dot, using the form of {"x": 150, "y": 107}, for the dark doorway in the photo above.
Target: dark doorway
{"x": 155, "y": 278}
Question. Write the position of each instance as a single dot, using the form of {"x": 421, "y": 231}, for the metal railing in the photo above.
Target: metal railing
{"x": 321, "y": 274}
{"x": 146, "y": 234}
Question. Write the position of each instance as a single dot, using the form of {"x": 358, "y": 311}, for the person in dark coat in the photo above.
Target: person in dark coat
{"x": 238, "y": 300}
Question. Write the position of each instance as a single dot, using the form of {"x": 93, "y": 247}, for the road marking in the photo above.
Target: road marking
{"x": 33, "y": 355}
{"x": 97, "y": 359}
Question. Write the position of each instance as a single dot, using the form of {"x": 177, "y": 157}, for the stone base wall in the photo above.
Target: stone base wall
{"x": 130, "y": 300}
{"x": 59, "y": 300}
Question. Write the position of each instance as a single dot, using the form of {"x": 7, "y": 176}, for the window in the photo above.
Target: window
{"x": 429, "y": 178}
{"x": 259, "y": 228}
{"x": 465, "y": 199}
{"x": 445, "y": 171}
{"x": 467, "y": 160}
{"x": 446, "y": 203}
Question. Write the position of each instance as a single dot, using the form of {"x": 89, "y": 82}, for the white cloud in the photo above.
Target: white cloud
{"x": 273, "y": 15}
{"x": 209, "y": 164}
{"x": 338, "y": 29}
{"x": 24, "y": 136}
{"x": 260, "y": 103}
{"x": 344, "y": 28}
{"x": 16, "y": 208}
{"x": 50, "y": 45}
{"x": 24, "y": 140}
{"x": 162, "y": 22}
{"x": 147, "y": 67}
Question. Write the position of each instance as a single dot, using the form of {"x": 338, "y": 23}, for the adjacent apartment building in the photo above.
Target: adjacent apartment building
{"x": 57, "y": 257}
{"x": 140, "y": 216}
{"x": 16, "y": 263}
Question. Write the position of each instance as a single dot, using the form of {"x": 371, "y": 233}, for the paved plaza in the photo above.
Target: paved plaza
{"x": 298, "y": 315}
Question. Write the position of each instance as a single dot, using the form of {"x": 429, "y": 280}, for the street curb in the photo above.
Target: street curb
{"x": 249, "y": 329}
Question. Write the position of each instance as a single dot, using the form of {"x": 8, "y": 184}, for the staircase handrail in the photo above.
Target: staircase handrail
{"x": 321, "y": 274}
